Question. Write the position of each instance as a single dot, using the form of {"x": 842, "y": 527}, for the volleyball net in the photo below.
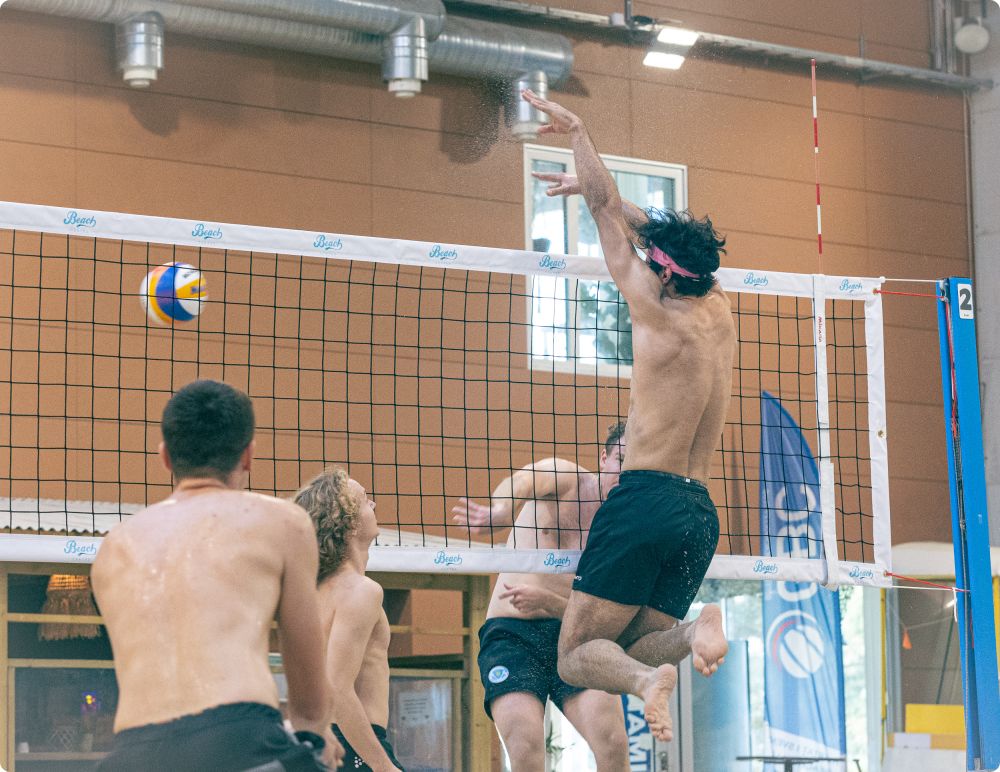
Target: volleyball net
{"x": 431, "y": 371}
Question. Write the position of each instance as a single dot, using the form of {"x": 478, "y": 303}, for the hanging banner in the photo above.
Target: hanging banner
{"x": 803, "y": 660}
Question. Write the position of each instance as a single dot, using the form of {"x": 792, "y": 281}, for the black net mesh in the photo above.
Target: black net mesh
{"x": 429, "y": 384}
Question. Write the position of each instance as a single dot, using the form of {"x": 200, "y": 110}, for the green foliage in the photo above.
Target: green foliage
{"x": 603, "y": 312}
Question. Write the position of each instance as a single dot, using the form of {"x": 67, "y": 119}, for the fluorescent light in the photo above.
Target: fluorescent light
{"x": 684, "y": 37}
{"x": 663, "y": 60}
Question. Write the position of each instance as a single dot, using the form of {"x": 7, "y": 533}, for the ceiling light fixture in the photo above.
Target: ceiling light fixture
{"x": 670, "y": 48}
{"x": 971, "y": 37}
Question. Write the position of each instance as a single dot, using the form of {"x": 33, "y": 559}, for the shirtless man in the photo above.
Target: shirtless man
{"x": 357, "y": 652}
{"x": 188, "y": 589}
{"x": 517, "y": 658}
{"x": 654, "y": 537}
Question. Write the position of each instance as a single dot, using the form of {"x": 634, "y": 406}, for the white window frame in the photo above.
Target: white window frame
{"x": 676, "y": 172}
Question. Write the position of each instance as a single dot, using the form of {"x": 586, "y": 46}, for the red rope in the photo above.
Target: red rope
{"x": 924, "y": 581}
{"x": 909, "y": 294}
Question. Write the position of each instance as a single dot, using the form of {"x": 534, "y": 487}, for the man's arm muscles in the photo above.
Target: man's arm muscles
{"x": 634, "y": 216}
{"x": 633, "y": 279}
{"x": 541, "y": 480}
{"x": 299, "y": 629}
{"x": 353, "y": 623}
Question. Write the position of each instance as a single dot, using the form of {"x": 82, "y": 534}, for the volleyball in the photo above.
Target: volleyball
{"x": 173, "y": 292}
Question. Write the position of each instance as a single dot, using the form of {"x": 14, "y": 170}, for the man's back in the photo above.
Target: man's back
{"x": 681, "y": 384}
{"x": 188, "y": 590}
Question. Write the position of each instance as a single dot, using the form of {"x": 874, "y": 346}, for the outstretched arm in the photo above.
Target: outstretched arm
{"x": 634, "y": 280}
{"x": 564, "y": 184}
{"x": 550, "y": 479}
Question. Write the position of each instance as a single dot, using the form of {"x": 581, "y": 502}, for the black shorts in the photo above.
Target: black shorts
{"x": 519, "y": 655}
{"x": 352, "y": 761}
{"x": 650, "y": 543}
{"x": 229, "y": 738}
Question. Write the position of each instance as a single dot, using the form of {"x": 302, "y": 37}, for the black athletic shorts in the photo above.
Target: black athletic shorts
{"x": 519, "y": 655}
{"x": 650, "y": 543}
{"x": 352, "y": 761}
{"x": 229, "y": 738}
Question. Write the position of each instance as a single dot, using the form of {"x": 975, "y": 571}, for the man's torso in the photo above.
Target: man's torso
{"x": 372, "y": 682}
{"x": 188, "y": 590}
{"x": 681, "y": 385}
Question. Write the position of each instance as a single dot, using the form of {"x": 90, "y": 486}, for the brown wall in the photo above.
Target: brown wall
{"x": 238, "y": 134}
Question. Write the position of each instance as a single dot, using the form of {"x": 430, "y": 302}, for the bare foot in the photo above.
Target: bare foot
{"x": 708, "y": 642}
{"x": 656, "y": 694}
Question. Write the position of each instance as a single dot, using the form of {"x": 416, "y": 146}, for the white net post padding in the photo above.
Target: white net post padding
{"x": 423, "y": 551}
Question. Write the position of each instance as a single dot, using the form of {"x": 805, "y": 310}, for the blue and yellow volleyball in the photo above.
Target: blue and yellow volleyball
{"x": 173, "y": 292}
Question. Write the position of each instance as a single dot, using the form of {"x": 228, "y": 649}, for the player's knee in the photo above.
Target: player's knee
{"x": 610, "y": 747}
{"x": 525, "y": 748}
{"x": 566, "y": 667}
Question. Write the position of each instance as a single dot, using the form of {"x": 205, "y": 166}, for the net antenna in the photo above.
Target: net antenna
{"x": 432, "y": 371}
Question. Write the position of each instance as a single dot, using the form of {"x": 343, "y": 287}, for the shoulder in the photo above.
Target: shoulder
{"x": 283, "y": 510}
{"x": 555, "y": 464}
{"x": 358, "y": 596}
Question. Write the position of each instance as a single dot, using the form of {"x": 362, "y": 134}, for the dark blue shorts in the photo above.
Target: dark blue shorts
{"x": 352, "y": 761}
{"x": 519, "y": 655}
{"x": 651, "y": 543}
{"x": 229, "y": 738}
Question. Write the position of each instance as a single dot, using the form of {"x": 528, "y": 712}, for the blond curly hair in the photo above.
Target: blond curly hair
{"x": 334, "y": 512}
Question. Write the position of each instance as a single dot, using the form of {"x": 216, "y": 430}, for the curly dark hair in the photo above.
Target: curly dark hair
{"x": 694, "y": 244}
{"x": 334, "y": 512}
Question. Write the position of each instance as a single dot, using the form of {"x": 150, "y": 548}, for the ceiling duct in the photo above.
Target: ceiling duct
{"x": 139, "y": 48}
{"x": 454, "y": 46}
{"x": 405, "y": 30}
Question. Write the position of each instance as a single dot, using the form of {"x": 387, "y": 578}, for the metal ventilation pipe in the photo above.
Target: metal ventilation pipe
{"x": 405, "y": 63}
{"x": 376, "y": 17}
{"x": 139, "y": 48}
{"x": 523, "y": 119}
{"x": 464, "y": 47}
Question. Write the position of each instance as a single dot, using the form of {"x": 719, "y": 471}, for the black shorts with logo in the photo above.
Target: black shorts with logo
{"x": 228, "y": 738}
{"x": 352, "y": 761}
{"x": 519, "y": 655}
{"x": 651, "y": 543}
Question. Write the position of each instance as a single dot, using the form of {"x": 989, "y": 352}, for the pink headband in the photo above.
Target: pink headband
{"x": 660, "y": 257}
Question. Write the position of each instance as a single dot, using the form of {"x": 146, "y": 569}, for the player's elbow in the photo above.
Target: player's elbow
{"x": 312, "y": 702}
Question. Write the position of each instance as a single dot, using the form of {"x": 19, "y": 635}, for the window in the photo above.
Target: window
{"x": 579, "y": 325}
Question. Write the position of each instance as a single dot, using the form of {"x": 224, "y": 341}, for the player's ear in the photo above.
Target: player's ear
{"x": 165, "y": 457}
{"x": 246, "y": 459}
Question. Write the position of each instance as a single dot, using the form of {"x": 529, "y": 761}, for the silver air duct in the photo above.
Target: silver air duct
{"x": 405, "y": 31}
{"x": 405, "y": 59}
{"x": 139, "y": 48}
{"x": 464, "y": 47}
{"x": 376, "y": 17}
{"x": 523, "y": 119}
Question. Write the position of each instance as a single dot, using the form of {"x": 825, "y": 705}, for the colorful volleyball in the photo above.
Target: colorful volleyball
{"x": 173, "y": 292}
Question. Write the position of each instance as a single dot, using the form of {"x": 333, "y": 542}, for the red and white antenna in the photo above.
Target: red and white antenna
{"x": 819, "y": 218}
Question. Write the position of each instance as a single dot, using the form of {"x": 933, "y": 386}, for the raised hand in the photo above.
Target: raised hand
{"x": 478, "y": 517}
{"x": 562, "y": 184}
{"x": 562, "y": 120}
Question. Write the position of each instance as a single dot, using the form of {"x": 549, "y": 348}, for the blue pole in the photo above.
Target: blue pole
{"x": 970, "y": 528}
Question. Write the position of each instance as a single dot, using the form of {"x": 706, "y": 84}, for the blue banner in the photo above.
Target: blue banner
{"x": 803, "y": 660}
